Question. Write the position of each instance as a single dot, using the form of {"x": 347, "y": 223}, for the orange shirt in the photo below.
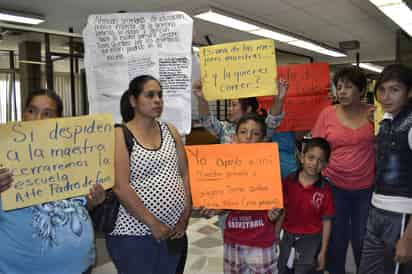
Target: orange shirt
{"x": 352, "y": 161}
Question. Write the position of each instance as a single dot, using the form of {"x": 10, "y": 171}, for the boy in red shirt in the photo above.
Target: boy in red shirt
{"x": 308, "y": 211}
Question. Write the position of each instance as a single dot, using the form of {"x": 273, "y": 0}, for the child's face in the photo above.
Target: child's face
{"x": 235, "y": 111}
{"x": 313, "y": 161}
{"x": 249, "y": 132}
{"x": 393, "y": 96}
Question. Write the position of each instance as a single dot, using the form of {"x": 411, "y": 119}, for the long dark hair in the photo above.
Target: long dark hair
{"x": 49, "y": 93}
{"x": 125, "y": 106}
{"x": 251, "y": 102}
{"x": 135, "y": 88}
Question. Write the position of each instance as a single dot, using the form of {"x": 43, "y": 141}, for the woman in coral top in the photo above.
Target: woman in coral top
{"x": 349, "y": 131}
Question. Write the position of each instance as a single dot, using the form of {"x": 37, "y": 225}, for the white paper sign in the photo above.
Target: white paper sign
{"x": 121, "y": 46}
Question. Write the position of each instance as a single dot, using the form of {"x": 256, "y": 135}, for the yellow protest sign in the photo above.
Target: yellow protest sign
{"x": 377, "y": 115}
{"x": 238, "y": 70}
{"x": 235, "y": 176}
{"x": 55, "y": 159}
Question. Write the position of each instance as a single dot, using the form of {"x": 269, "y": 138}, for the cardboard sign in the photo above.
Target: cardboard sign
{"x": 238, "y": 70}
{"x": 307, "y": 95}
{"x": 55, "y": 159}
{"x": 235, "y": 176}
{"x": 121, "y": 46}
{"x": 377, "y": 115}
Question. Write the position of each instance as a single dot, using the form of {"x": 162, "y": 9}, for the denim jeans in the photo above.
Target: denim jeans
{"x": 383, "y": 231}
{"x": 142, "y": 254}
{"x": 349, "y": 224}
{"x": 182, "y": 262}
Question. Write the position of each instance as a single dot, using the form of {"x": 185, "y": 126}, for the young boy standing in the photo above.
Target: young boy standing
{"x": 308, "y": 211}
{"x": 387, "y": 246}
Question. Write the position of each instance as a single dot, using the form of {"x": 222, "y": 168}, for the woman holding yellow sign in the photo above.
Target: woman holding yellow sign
{"x": 54, "y": 237}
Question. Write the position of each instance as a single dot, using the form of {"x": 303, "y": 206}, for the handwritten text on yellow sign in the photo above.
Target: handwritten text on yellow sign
{"x": 56, "y": 159}
{"x": 238, "y": 70}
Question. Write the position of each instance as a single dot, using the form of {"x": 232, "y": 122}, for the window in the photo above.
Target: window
{"x": 10, "y": 103}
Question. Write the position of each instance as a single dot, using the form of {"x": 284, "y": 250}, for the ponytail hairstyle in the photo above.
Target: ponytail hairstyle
{"x": 135, "y": 89}
{"x": 262, "y": 113}
{"x": 124, "y": 107}
{"x": 251, "y": 102}
{"x": 253, "y": 117}
{"x": 49, "y": 93}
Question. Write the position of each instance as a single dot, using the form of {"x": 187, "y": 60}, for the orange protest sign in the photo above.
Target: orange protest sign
{"x": 235, "y": 176}
{"x": 306, "y": 97}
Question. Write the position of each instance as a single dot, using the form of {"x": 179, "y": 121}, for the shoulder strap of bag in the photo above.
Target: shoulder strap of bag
{"x": 128, "y": 137}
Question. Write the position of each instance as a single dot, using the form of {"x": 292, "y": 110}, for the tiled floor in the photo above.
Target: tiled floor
{"x": 205, "y": 255}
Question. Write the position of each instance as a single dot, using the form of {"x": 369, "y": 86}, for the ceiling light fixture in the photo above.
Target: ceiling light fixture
{"x": 273, "y": 35}
{"x": 398, "y": 11}
{"x": 224, "y": 20}
{"x": 369, "y": 66}
{"x": 20, "y": 17}
{"x": 218, "y": 17}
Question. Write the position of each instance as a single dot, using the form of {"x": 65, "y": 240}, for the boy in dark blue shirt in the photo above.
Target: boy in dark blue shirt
{"x": 387, "y": 246}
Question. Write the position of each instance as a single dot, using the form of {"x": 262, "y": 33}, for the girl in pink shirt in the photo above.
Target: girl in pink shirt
{"x": 347, "y": 128}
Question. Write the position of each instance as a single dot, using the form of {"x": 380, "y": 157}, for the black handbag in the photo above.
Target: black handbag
{"x": 104, "y": 215}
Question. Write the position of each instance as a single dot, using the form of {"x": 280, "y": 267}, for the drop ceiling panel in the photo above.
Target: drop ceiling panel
{"x": 327, "y": 21}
